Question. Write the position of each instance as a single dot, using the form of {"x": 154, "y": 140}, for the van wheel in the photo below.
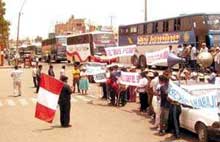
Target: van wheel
{"x": 202, "y": 132}
{"x": 134, "y": 60}
{"x": 142, "y": 61}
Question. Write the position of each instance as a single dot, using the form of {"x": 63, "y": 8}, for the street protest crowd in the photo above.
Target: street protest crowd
{"x": 120, "y": 86}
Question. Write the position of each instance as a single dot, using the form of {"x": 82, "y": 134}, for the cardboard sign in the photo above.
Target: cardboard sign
{"x": 129, "y": 78}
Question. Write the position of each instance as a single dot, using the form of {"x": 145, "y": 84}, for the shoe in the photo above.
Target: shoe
{"x": 66, "y": 126}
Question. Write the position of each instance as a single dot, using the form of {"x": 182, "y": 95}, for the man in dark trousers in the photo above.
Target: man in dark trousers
{"x": 64, "y": 102}
{"x": 38, "y": 75}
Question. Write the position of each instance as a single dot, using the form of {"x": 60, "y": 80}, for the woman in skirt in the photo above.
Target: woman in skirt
{"x": 83, "y": 82}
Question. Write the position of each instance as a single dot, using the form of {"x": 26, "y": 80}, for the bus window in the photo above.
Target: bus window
{"x": 133, "y": 29}
{"x": 141, "y": 29}
{"x": 149, "y": 28}
{"x": 186, "y": 24}
{"x": 171, "y": 25}
{"x": 199, "y": 24}
{"x": 160, "y": 27}
{"x": 177, "y": 24}
{"x": 165, "y": 26}
{"x": 155, "y": 27}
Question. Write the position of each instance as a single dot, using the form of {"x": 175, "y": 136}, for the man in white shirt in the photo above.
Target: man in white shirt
{"x": 142, "y": 92}
{"x": 16, "y": 76}
{"x": 203, "y": 48}
{"x": 34, "y": 75}
{"x": 62, "y": 71}
{"x": 193, "y": 55}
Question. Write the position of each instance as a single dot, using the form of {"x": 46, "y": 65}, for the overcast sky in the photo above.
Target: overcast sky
{"x": 40, "y": 16}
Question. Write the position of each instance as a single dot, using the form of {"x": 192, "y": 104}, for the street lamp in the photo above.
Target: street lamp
{"x": 18, "y": 30}
{"x": 145, "y": 10}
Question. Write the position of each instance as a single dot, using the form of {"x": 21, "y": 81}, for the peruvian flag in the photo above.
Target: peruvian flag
{"x": 47, "y": 99}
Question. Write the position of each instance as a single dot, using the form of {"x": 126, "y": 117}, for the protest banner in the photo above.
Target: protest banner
{"x": 100, "y": 77}
{"x": 157, "y": 57}
{"x": 120, "y": 51}
{"x": 93, "y": 68}
{"x": 129, "y": 78}
{"x": 180, "y": 95}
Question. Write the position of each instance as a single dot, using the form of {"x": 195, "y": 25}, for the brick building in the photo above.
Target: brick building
{"x": 72, "y": 26}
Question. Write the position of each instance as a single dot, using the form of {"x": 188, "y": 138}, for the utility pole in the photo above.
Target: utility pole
{"x": 145, "y": 10}
{"x": 18, "y": 31}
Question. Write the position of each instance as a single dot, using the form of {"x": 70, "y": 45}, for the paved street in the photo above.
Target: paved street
{"x": 91, "y": 118}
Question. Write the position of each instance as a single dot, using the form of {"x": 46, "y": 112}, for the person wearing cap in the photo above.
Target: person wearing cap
{"x": 203, "y": 48}
{"x": 150, "y": 77}
{"x": 64, "y": 102}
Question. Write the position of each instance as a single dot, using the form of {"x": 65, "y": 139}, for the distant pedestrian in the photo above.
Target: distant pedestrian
{"x": 34, "y": 75}
{"x": 50, "y": 71}
{"x": 16, "y": 76}
{"x": 64, "y": 103}
{"x": 39, "y": 69}
{"x": 62, "y": 71}
{"x": 76, "y": 76}
{"x": 193, "y": 56}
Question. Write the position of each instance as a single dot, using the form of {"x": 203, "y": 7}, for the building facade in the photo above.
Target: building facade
{"x": 72, "y": 26}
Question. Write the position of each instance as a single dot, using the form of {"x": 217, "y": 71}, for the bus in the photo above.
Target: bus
{"x": 54, "y": 49}
{"x": 154, "y": 36}
{"x": 90, "y": 47}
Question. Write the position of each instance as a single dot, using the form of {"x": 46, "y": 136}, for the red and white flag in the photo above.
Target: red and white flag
{"x": 47, "y": 99}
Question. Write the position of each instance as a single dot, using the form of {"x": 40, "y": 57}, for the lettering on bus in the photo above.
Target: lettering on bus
{"x": 158, "y": 39}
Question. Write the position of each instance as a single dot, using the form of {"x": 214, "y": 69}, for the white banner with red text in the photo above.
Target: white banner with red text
{"x": 129, "y": 78}
{"x": 157, "y": 57}
{"x": 120, "y": 51}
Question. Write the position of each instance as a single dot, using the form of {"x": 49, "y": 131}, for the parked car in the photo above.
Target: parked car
{"x": 206, "y": 121}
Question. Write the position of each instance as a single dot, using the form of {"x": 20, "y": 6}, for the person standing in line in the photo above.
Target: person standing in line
{"x": 39, "y": 69}
{"x": 76, "y": 77}
{"x": 217, "y": 60}
{"x": 193, "y": 55}
{"x": 174, "y": 116}
{"x": 65, "y": 103}
{"x": 50, "y": 71}
{"x": 16, "y": 75}
{"x": 83, "y": 82}
{"x": 62, "y": 71}
{"x": 34, "y": 75}
{"x": 204, "y": 48}
{"x": 142, "y": 92}
{"x": 164, "y": 104}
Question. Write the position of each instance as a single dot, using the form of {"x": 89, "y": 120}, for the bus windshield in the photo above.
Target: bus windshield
{"x": 214, "y": 22}
{"x": 102, "y": 41}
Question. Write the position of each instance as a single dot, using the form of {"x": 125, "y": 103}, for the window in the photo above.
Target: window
{"x": 160, "y": 27}
{"x": 186, "y": 24}
{"x": 133, "y": 29}
{"x": 171, "y": 25}
{"x": 177, "y": 24}
{"x": 165, "y": 26}
{"x": 149, "y": 28}
{"x": 141, "y": 29}
{"x": 155, "y": 27}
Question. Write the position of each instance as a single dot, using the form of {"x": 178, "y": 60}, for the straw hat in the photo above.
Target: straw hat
{"x": 150, "y": 74}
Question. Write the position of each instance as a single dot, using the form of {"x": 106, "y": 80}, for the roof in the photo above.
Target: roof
{"x": 180, "y": 16}
{"x": 96, "y": 32}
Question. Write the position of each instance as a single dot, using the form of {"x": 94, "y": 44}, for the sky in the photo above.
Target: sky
{"x": 39, "y": 16}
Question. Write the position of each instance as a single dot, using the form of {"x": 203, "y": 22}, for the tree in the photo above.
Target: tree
{"x": 4, "y": 26}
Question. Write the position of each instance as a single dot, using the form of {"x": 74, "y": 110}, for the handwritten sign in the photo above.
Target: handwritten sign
{"x": 178, "y": 94}
{"x": 93, "y": 68}
{"x": 100, "y": 77}
{"x": 157, "y": 56}
{"x": 128, "y": 78}
{"x": 120, "y": 51}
